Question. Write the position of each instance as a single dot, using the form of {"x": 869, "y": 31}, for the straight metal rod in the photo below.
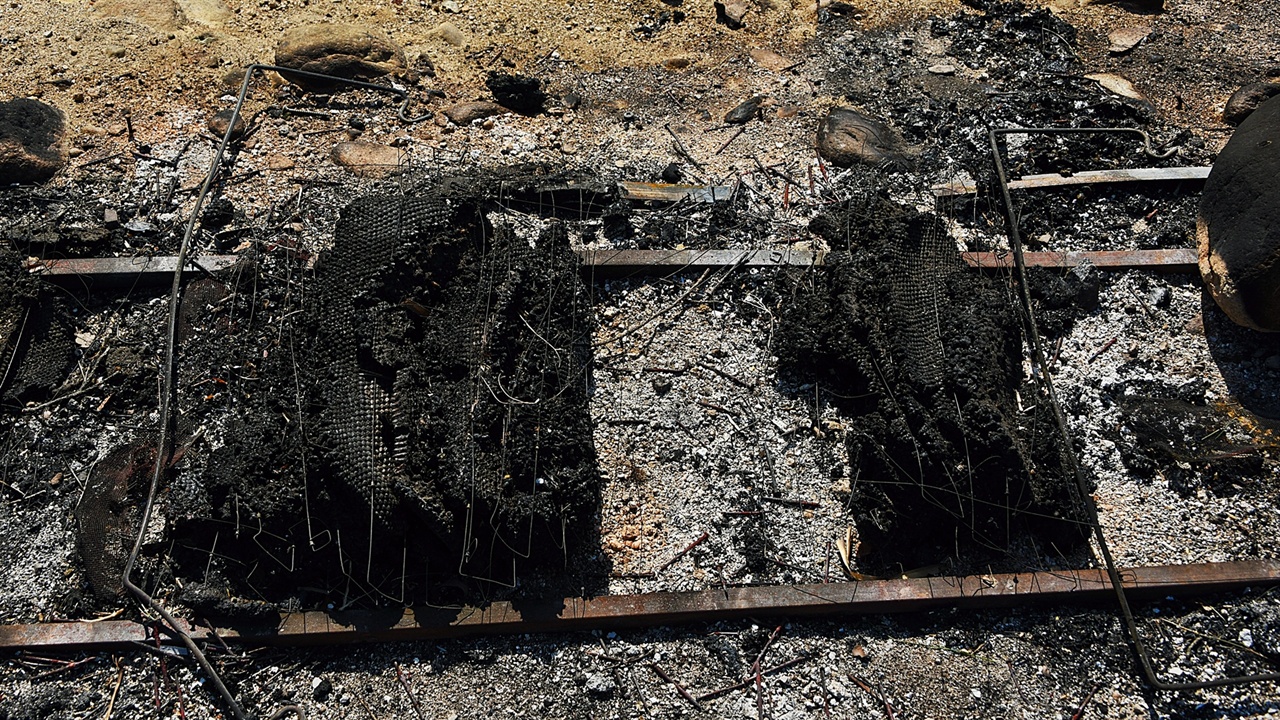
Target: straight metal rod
{"x": 112, "y": 272}
{"x": 667, "y": 608}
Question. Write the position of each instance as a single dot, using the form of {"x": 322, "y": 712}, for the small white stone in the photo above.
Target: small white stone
{"x": 1246, "y": 637}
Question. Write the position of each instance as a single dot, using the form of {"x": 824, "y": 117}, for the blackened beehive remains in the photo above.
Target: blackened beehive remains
{"x": 448, "y": 384}
{"x": 949, "y": 444}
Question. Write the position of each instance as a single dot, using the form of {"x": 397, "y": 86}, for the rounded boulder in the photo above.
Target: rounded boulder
{"x": 1238, "y": 229}
{"x": 847, "y": 137}
{"x": 347, "y": 51}
{"x": 31, "y": 135}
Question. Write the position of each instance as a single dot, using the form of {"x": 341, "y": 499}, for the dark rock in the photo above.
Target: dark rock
{"x": 347, "y": 51}
{"x": 466, "y": 113}
{"x": 519, "y": 93}
{"x": 744, "y": 112}
{"x": 1247, "y": 99}
{"x": 661, "y": 386}
{"x": 672, "y": 174}
{"x": 31, "y": 134}
{"x": 847, "y": 137}
{"x": 221, "y": 120}
{"x": 321, "y": 690}
{"x": 1239, "y": 224}
{"x": 1160, "y": 297}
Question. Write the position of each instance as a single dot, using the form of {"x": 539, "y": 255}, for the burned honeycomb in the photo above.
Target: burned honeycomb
{"x": 924, "y": 355}
{"x": 448, "y": 381}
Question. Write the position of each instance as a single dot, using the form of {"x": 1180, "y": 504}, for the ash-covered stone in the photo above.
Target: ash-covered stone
{"x": 31, "y": 135}
{"x": 1239, "y": 223}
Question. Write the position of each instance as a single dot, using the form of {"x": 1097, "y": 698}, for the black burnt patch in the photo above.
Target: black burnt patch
{"x": 417, "y": 430}
{"x": 948, "y": 446}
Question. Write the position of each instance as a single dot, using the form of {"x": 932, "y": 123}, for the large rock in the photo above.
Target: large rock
{"x": 346, "y": 51}
{"x": 1244, "y": 101}
{"x": 31, "y": 136}
{"x": 1239, "y": 224}
{"x": 847, "y": 137}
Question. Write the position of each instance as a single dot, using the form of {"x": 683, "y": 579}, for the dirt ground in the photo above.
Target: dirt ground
{"x": 635, "y": 87}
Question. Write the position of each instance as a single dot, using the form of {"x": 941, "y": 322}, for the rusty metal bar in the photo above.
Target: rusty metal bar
{"x": 1086, "y": 177}
{"x": 117, "y": 271}
{"x": 114, "y": 272}
{"x": 660, "y": 192}
{"x": 1172, "y": 260}
{"x": 667, "y": 608}
{"x": 618, "y": 262}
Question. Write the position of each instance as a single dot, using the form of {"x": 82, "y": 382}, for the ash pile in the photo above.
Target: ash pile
{"x": 952, "y": 448}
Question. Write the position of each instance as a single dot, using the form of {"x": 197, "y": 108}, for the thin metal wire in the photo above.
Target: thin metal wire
{"x": 1041, "y": 367}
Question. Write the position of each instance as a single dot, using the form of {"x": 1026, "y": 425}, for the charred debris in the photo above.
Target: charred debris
{"x": 406, "y": 416}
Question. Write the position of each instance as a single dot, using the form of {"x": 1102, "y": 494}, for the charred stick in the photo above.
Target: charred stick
{"x": 717, "y": 408}
{"x": 100, "y": 160}
{"x": 888, "y": 709}
{"x": 1145, "y": 307}
{"x": 764, "y": 172}
{"x": 1079, "y": 714}
{"x": 759, "y": 689}
{"x": 1057, "y": 350}
{"x": 727, "y": 376}
{"x": 772, "y": 636}
{"x": 679, "y": 688}
{"x": 309, "y": 113}
{"x": 404, "y": 683}
{"x": 680, "y": 148}
{"x": 783, "y": 563}
{"x": 66, "y": 666}
{"x": 1105, "y": 347}
{"x": 701, "y": 539}
{"x": 806, "y": 504}
{"x": 728, "y": 142}
{"x": 742, "y": 513}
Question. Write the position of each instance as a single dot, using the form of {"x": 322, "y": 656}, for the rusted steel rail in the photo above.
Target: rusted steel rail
{"x": 1172, "y": 260}
{"x": 1086, "y": 177}
{"x": 662, "y": 192}
{"x": 666, "y": 608}
{"x": 115, "y": 272}
{"x": 619, "y": 262}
